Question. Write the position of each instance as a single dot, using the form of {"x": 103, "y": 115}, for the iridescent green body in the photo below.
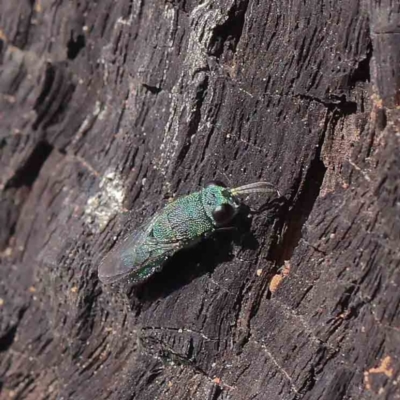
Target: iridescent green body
{"x": 179, "y": 224}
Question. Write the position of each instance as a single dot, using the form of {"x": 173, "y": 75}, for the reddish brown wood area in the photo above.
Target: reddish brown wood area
{"x": 110, "y": 106}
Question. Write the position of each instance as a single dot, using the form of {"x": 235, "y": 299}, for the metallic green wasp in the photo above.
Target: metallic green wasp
{"x": 179, "y": 224}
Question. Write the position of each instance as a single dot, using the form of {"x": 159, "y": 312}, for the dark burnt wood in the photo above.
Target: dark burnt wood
{"x": 113, "y": 105}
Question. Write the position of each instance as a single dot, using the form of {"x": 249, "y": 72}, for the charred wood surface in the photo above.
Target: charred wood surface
{"x": 122, "y": 105}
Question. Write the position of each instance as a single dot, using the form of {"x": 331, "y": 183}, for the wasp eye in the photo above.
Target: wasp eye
{"x": 223, "y": 214}
{"x": 216, "y": 183}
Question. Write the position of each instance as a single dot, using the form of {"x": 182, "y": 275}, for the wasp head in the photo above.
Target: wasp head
{"x": 221, "y": 204}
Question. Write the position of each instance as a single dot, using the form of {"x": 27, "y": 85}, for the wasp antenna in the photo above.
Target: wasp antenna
{"x": 256, "y": 187}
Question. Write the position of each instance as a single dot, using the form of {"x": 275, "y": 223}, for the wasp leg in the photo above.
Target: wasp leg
{"x": 227, "y": 229}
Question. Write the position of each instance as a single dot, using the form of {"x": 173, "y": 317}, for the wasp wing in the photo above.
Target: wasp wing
{"x": 137, "y": 255}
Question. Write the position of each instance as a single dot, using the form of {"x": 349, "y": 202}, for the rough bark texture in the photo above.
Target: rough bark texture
{"x": 115, "y": 105}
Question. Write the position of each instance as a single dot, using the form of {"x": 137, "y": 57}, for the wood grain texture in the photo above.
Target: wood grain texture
{"x": 111, "y": 106}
